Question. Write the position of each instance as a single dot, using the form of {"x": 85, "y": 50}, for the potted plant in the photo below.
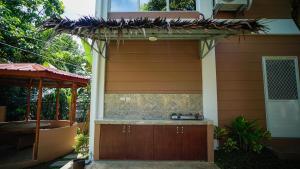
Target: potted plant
{"x": 82, "y": 145}
{"x": 82, "y": 148}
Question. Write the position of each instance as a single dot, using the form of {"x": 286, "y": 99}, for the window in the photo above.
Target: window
{"x": 152, "y": 5}
{"x": 182, "y": 5}
{"x": 281, "y": 79}
{"x": 124, "y": 5}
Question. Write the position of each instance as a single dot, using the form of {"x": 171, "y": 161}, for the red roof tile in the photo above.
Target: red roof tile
{"x": 33, "y": 70}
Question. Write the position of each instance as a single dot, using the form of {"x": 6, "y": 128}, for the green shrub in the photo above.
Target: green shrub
{"x": 229, "y": 145}
{"x": 248, "y": 135}
{"x": 220, "y": 133}
{"x": 241, "y": 135}
{"x": 82, "y": 144}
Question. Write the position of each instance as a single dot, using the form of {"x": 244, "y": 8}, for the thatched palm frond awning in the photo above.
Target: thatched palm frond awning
{"x": 141, "y": 28}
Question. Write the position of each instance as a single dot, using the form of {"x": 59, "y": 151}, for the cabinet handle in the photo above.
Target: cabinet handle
{"x": 124, "y": 129}
{"x": 181, "y": 129}
{"x": 177, "y": 131}
{"x": 128, "y": 129}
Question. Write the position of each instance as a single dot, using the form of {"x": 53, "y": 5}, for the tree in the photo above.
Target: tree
{"x": 64, "y": 53}
{"x": 176, "y": 5}
{"x": 155, "y": 5}
{"x": 183, "y": 5}
{"x": 19, "y": 22}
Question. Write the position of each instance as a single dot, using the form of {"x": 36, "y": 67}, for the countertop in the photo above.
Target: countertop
{"x": 154, "y": 122}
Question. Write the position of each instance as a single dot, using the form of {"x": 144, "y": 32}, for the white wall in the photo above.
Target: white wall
{"x": 209, "y": 87}
{"x": 281, "y": 27}
{"x": 98, "y": 79}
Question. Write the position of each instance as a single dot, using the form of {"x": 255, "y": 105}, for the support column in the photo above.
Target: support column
{"x": 209, "y": 83}
{"x": 97, "y": 93}
{"x": 57, "y": 104}
{"x": 98, "y": 78}
{"x": 73, "y": 104}
{"x": 38, "y": 118}
{"x": 28, "y": 100}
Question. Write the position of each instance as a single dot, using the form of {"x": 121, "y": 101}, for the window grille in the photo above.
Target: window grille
{"x": 281, "y": 79}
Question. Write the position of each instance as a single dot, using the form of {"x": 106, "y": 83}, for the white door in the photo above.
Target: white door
{"x": 281, "y": 84}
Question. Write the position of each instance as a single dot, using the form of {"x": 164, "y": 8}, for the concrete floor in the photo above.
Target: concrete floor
{"x": 151, "y": 165}
{"x": 14, "y": 156}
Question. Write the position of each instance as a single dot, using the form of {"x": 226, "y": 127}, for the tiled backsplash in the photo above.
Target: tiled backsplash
{"x": 150, "y": 106}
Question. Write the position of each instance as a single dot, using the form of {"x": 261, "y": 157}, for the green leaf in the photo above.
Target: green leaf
{"x": 47, "y": 64}
{"x": 88, "y": 51}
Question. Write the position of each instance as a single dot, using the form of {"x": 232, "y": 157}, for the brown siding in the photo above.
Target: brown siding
{"x": 154, "y": 67}
{"x": 273, "y": 9}
{"x": 240, "y": 76}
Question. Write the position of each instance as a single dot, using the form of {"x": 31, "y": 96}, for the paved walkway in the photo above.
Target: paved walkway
{"x": 63, "y": 161}
{"x": 151, "y": 165}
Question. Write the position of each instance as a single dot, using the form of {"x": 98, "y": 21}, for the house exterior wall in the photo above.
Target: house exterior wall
{"x": 240, "y": 76}
{"x": 154, "y": 67}
{"x": 151, "y": 80}
{"x": 271, "y": 9}
{"x": 238, "y": 87}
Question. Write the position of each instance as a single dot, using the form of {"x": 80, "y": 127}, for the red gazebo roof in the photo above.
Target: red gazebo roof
{"x": 20, "y": 74}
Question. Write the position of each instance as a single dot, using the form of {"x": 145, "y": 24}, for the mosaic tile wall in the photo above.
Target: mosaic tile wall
{"x": 150, "y": 106}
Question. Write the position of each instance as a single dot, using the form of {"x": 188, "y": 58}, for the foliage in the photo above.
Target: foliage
{"x": 178, "y": 5}
{"x": 20, "y": 23}
{"x": 88, "y": 53}
{"x": 49, "y": 104}
{"x": 241, "y": 135}
{"x": 15, "y": 100}
{"x": 19, "y": 20}
{"x": 183, "y": 5}
{"x": 81, "y": 144}
{"x": 155, "y": 5}
{"x": 247, "y": 134}
{"x": 230, "y": 145}
{"x": 64, "y": 53}
{"x": 220, "y": 133}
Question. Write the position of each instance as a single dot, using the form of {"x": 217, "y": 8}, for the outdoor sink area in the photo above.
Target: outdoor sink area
{"x": 150, "y": 84}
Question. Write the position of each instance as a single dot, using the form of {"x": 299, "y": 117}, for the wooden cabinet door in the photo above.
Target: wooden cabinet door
{"x": 112, "y": 142}
{"x": 167, "y": 143}
{"x": 139, "y": 142}
{"x": 194, "y": 143}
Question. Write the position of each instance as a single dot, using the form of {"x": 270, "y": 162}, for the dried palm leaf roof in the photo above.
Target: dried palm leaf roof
{"x": 101, "y": 29}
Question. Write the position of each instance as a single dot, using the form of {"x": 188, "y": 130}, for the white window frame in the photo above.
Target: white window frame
{"x": 266, "y": 94}
{"x": 167, "y": 6}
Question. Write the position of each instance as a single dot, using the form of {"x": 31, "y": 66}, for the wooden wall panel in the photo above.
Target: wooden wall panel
{"x": 154, "y": 67}
{"x": 240, "y": 75}
{"x": 273, "y": 9}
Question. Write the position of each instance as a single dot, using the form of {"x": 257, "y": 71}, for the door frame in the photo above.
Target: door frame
{"x": 265, "y": 83}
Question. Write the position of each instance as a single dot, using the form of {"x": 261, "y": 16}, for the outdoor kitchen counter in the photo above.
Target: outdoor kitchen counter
{"x": 154, "y": 122}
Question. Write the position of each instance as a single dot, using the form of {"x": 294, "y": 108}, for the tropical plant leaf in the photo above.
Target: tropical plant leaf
{"x": 88, "y": 50}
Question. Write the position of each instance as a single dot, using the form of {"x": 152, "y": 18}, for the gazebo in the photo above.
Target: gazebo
{"x": 31, "y": 75}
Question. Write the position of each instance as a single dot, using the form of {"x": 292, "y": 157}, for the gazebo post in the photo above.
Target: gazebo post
{"x": 57, "y": 103}
{"x": 73, "y": 104}
{"x": 28, "y": 100}
{"x": 38, "y": 118}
